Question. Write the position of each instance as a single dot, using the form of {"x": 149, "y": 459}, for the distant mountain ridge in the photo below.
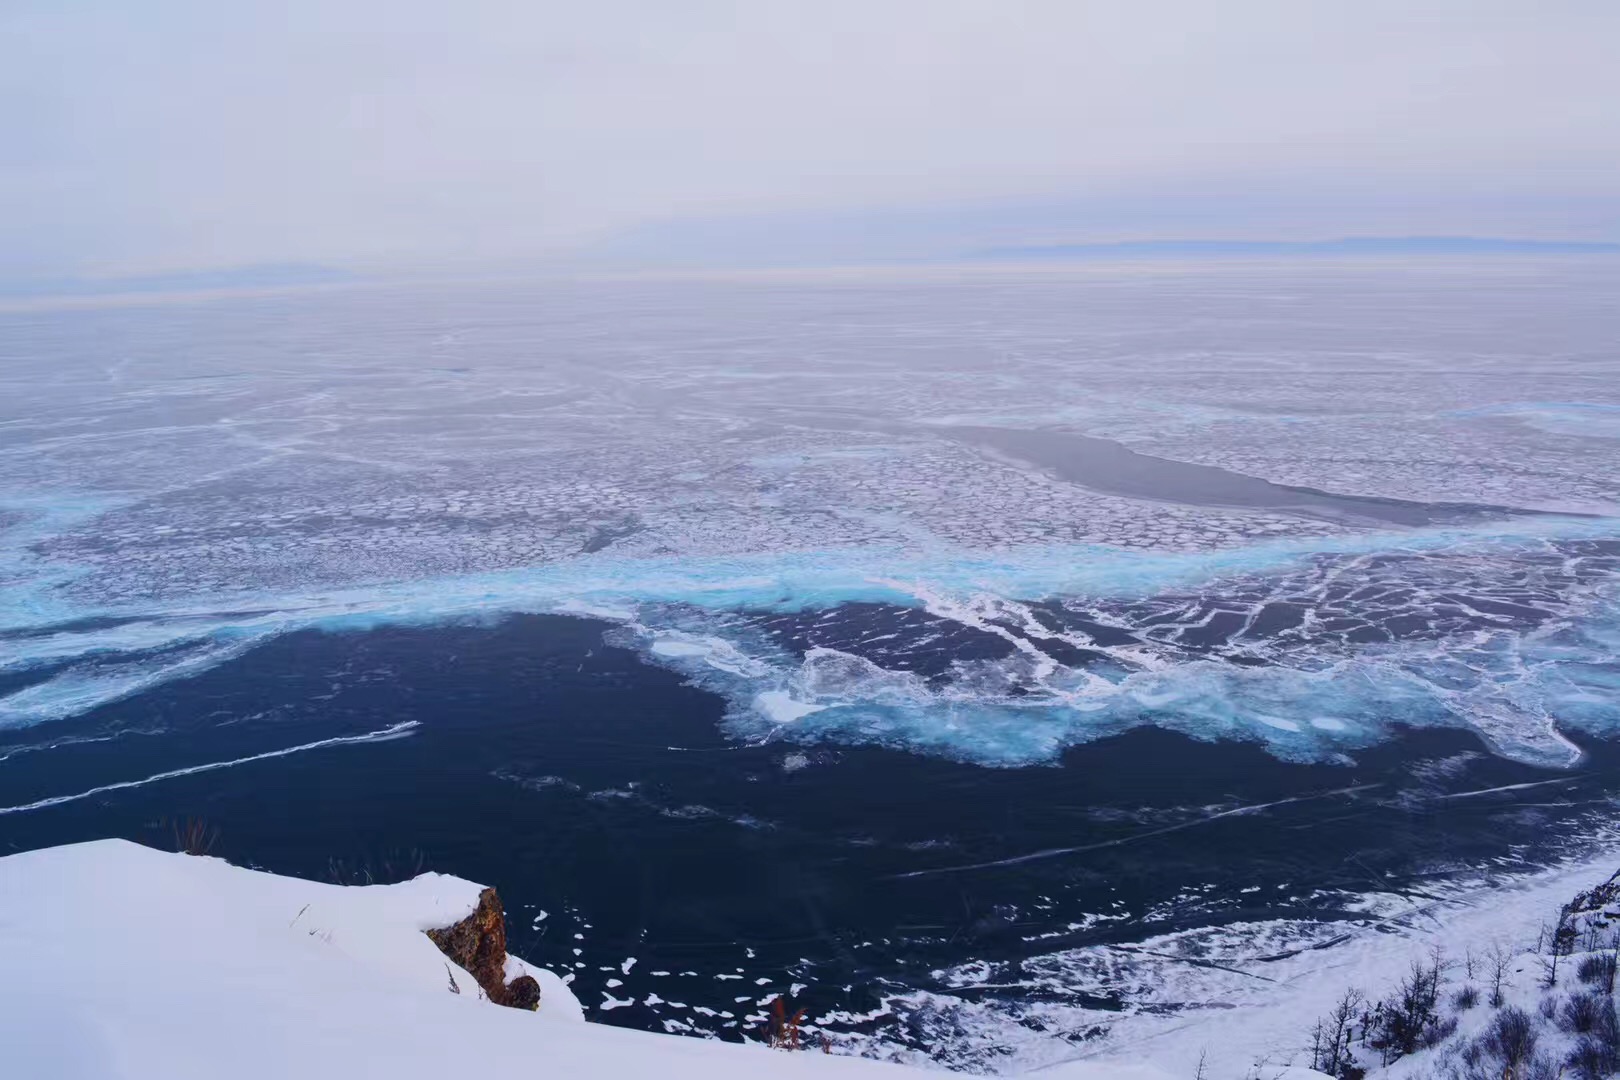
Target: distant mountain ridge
{"x": 1354, "y": 245}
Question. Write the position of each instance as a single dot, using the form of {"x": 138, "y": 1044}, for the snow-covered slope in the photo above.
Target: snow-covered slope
{"x": 119, "y": 962}
{"x": 1247, "y": 1019}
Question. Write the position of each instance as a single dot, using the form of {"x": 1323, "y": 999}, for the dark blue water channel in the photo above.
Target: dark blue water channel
{"x": 598, "y": 790}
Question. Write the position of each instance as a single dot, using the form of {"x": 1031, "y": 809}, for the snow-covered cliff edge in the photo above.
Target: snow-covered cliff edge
{"x": 120, "y": 962}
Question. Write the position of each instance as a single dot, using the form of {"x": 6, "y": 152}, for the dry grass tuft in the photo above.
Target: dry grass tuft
{"x": 784, "y": 1030}
{"x": 194, "y": 836}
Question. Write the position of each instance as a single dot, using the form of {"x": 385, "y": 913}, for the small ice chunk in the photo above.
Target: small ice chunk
{"x": 672, "y": 647}
{"x": 1278, "y": 722}
{"x": 780, "y": 707}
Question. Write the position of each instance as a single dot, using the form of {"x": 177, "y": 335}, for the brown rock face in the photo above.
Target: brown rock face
{"x": 478, "y": 944}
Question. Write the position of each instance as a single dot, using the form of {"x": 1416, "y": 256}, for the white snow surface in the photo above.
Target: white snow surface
{"x": 126, "y": 963}
{"x": 1252, "y": 1021}
{"x": 122, "y": 962}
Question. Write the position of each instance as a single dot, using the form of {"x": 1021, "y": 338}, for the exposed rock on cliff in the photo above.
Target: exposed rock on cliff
{"x": 477, "y": 944}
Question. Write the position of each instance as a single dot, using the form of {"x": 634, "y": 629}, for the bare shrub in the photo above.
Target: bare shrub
{"x": 1512, "y": 1037}
{"x": 1398, "y": 1024}
{"x": 1483, "y": 1067}
{"x": 390, "y": 868}
{"x": 194, "y": 836}
{"x": 1560, "y": 942}
{"x": 1539, "y": 1067}
{"x": 1499, "y": 960}
{"x": 1597, "y": 969}
{"x": 1593, "y": 1059}
{"x": 1583, "y": 1012}
{"x": 1330, "y": 1051}
{"x": 1465, "y": 999}
{"x": 784, "y": 1030}
{"x": 1438, "y": 1032}
{"x": 1473, "y": 1053}
{"x": 1597, "y": 1054}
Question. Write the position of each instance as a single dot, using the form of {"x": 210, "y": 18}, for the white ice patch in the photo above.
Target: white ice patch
{"x": 669, "y": 647}
{"x": 716, "y": 652}
{"x": 1022, "y": 708}
{"x": 94, "y": 683}
{"x": 780, "y": 707}
{"x": 1279, "y": 722}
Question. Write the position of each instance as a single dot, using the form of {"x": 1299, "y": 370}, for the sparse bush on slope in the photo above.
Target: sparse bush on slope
{"x": 1537, "y": 1025}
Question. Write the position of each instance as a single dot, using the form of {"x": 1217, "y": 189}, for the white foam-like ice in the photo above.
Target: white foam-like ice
{"x": 781, "y": 707}
{"x": 94, "y": 683}
{"x": 666, "y": 647}
{"x": 1025, "y": 707}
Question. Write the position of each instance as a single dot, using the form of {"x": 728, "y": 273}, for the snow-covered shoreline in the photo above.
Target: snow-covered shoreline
{"x": 1247, "y": 1025}
{"x": 126, "y": 963}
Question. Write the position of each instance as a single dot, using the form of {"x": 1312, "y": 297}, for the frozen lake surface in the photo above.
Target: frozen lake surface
{"x": 924, "y": 636}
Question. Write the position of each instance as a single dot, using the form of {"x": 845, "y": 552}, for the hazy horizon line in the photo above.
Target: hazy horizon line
{"x": 296, "y": 274}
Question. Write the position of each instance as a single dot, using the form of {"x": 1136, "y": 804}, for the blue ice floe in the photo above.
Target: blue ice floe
{"x": 1521, "y": 688}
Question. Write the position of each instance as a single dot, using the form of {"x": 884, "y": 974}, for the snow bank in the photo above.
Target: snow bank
{"x": 121, "y": 962}
{"x": 1251, "y": 1020}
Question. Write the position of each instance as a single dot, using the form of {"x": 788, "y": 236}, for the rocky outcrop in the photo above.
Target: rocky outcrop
{"x": 477, "y": 944}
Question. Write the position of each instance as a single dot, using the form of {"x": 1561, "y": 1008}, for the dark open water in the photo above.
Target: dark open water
{"x": 587, "y": 785}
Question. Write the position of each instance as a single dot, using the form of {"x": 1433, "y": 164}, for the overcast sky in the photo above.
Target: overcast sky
{"x": 153, "y": 134}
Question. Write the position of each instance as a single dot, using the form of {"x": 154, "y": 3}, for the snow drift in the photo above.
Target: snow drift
{"x": 126, "y": 963}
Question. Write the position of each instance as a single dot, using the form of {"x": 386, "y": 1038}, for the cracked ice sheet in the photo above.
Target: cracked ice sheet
{"x": 1312, "y": 652}
{"x": 426, "y": 453}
